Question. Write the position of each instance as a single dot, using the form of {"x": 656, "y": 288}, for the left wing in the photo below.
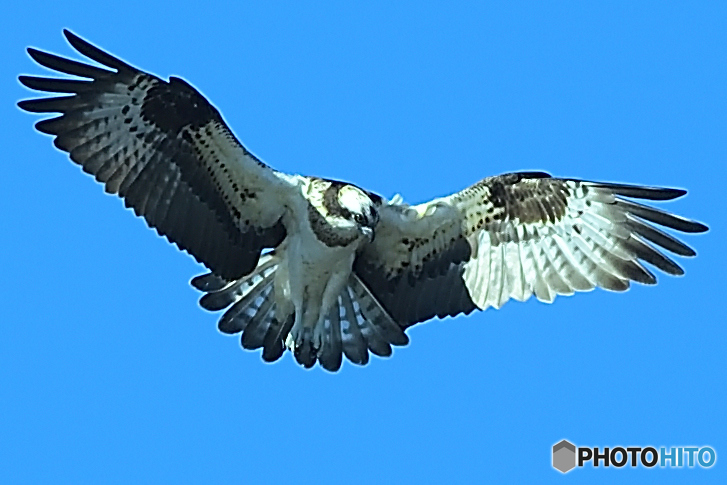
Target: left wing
{"x": 163, "y": 148}
{"x": 515, "y": 235}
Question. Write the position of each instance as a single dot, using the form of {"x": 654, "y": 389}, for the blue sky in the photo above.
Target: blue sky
{"x": 110, "y": 372}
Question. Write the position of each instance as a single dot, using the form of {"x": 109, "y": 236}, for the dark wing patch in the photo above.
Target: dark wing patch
{"x": 409, "y": 299}
{"x": 516, "y": 235}
{"x": 167, "y": 152}
{"x": 415, "y": 264}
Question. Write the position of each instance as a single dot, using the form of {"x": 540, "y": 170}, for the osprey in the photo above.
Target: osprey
{"x": 325, "y": 268}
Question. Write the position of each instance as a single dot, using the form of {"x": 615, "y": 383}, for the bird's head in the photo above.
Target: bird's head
{"x": 359, "y": 209}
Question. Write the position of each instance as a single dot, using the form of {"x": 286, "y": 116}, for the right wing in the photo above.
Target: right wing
{"x": 164, "y": 149}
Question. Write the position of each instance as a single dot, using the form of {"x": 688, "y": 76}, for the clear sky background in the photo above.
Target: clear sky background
{"x": 110, "y": 371}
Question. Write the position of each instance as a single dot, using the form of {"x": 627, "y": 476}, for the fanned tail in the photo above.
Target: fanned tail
{"x": 355, "y": 325}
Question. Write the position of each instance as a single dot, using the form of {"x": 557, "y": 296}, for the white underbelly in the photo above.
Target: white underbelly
{"x": 314, "y": 276}
{"x": 314, "y": 270}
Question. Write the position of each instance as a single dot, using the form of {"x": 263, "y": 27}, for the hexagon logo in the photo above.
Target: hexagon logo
{"x": 564, "y": 456}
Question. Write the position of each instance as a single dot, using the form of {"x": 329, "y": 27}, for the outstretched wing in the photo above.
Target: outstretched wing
{"x": 515, "y": 235}
{"x": 163, "y": 148}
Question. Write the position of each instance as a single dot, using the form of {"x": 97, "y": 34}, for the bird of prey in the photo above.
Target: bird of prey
{"x": 324, "y": 268}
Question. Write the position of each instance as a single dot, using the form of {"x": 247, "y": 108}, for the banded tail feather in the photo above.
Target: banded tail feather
{"x": 355, "y": 325}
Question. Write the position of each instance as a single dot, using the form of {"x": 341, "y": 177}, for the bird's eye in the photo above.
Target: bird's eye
{"x": 358, "y": 218}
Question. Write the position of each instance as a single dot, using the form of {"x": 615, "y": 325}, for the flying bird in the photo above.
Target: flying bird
{"x": 324, "y": 268}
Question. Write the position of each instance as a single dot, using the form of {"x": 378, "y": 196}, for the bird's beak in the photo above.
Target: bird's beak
{"x": 368, "y": 232}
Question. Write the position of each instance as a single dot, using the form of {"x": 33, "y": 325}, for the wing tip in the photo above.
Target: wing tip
{"x": 94, "y": 53}
{"x": 640, "y": 191}
{"x": 678, "y": 271}
{"x": 667, "y": 193}
{"x": 27, "y": 105}
{"x": 35, "y": 54}
{"x": 72, "y": 38}
{"x": 46, "y": 126}
{"x": 25, "y": 80}
{"x": 697, "y": 227}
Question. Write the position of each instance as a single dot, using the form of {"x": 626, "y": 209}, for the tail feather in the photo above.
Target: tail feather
{"x": 355, "y": 325}
{"x": 375, "y": 342}
{"x": 305, "y": 349}
{"x": 253, "y": 336}
{"x": 330, "y": 354}
{"x": 354, "y": 343}
{"x": 274, "y": 342}
{"x": 376, "y": 314}
{"x": 358, "y": 324}
{"x": 239, "y": 315}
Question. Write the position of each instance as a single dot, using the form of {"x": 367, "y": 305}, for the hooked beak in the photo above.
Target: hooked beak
{"x": 368, "y": 232}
